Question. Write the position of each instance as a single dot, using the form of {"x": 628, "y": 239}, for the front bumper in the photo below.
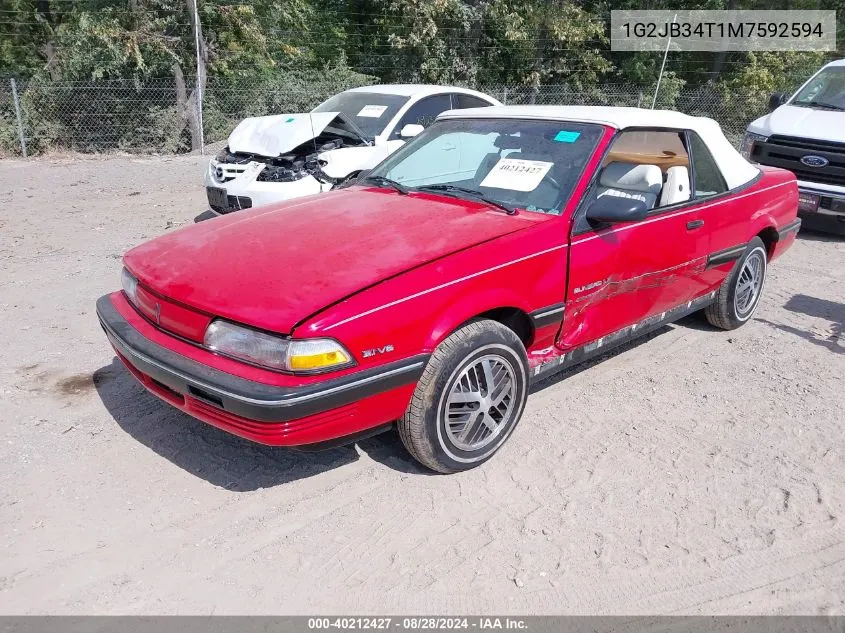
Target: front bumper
{"x": 283, "y": 416}
{"x": 830, "y": 215}
{"x": 241, "y": 184}
{"x": 832, "y": 197}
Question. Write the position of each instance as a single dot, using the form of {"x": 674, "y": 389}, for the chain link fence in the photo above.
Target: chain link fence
{"x": 155, "y": 116}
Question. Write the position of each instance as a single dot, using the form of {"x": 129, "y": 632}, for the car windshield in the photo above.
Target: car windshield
{"x": 826, "y": 90}
{"x": 370, "y": 111}
{"x": 532, "y": 165}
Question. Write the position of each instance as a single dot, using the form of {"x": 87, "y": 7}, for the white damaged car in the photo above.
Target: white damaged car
{"x": 273, "y": 158}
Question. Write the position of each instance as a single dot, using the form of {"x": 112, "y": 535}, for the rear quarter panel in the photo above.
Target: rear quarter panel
{"x": 769, "y": 203}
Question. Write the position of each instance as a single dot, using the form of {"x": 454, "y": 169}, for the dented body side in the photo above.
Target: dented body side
{"x": 625, "y": 274}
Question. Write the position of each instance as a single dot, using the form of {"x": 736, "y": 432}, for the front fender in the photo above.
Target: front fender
{"x": 472, "y": 306}
{"x": 413, "y": 312}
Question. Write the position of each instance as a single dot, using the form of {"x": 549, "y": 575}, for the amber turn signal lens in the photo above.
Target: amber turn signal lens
{"x": 316, "y": 354}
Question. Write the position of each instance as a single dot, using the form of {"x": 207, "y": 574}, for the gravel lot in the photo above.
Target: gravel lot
{"x": 698, "y": 471}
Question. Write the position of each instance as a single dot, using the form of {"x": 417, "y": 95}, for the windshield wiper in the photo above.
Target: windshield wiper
{"x": 387, "y": 182}
{"x": 820, "y": 104}
{"x": 472, "y": 193}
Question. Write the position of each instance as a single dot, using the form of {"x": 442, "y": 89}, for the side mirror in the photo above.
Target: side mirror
{"x": 411, "y": 130}
{"x": 776, "y": 100}
{"x": 613, "y": 210}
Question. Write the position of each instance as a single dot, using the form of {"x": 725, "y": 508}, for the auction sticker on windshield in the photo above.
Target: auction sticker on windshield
{"x": 517, "y": 174}
{"x": 372, "y": 111}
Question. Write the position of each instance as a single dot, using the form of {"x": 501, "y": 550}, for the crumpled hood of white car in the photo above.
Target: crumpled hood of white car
{"x": 277, "y": 134}
{"x": 789, "y": 120}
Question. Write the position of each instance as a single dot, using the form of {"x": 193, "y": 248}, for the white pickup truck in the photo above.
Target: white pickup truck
{"x": 805, "y": 134}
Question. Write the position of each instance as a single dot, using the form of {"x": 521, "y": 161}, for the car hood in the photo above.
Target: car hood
{"x": 274, "y": 266}
{"x": 789, "y": 120}
{"x": 281, "y": 133}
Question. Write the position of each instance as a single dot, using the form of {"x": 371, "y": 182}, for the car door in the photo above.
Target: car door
{"x": 623, "y": 274}
{"x": 724, "y": 237}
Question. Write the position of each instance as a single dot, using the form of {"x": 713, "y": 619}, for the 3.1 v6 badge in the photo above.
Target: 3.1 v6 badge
{"x": 367, "y": 353}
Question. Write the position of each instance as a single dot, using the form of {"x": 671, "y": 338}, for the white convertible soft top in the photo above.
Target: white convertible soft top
{"x": 736, "y": 170}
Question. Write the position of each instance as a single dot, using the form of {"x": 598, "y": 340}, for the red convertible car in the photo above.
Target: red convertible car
{"x": 499, "y": 246}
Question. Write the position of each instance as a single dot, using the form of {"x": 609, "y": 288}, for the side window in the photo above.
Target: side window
{"x": 647, "y": 165}
{"x": 708, "y": 179}
{"x": 462, "y": 101}
{"x": 424, "y": 112}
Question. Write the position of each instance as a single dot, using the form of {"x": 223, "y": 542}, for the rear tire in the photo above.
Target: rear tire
{"x": 469, "y": 398}
{"x": 738, "y": 296}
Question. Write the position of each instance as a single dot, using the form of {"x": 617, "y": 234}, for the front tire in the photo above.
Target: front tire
{"x": 738, "y": 296}
{"x": 469, "y": 398}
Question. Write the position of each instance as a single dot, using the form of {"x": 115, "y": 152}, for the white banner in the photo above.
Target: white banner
{"x": 723, "y": 30}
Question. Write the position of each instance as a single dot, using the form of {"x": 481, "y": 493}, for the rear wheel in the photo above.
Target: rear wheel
{"x": 469, "y": 399}
{"x": 738, "y": 297}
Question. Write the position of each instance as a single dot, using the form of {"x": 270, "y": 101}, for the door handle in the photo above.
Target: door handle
{"x": 694, "y": 224}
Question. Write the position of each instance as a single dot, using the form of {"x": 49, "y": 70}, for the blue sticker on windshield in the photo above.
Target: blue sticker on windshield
{"x": 290, "y": 120}
{"x": 565, "y": 136}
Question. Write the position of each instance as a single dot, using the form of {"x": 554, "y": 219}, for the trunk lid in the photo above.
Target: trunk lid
{"x": 274, "y": 266}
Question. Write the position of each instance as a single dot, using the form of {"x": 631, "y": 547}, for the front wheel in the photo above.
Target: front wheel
{"x": 469, "y": 398}
{"x": 738, "y": 296}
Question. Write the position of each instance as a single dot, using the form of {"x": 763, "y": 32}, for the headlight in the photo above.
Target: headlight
{"x": 268, "y": 350}
{"x": 130, "y": 285}
{"x": 748, "y": 142}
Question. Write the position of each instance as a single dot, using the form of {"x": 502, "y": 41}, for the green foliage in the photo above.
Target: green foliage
{"x": 668, "y": 92}
{"x": 8, "y": 135}
{"x": 160, "y": 129}
{"x": 767, "y": 72}
{"x": 265, "y": 56}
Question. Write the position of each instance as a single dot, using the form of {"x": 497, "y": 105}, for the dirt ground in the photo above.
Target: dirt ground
{"x": 696, "y": 472}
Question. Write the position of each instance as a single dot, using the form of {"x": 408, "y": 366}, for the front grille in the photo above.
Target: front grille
{"x": 170, "y": 316}
{"x": 786, "y": 152}
{"x": 226, "y": 173}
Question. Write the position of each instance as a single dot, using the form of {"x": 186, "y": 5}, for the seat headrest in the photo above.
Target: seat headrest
{"x": 633, "y": 177}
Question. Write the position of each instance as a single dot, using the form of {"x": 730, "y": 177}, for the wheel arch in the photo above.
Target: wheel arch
{"x": 516, "y": 319}
{"x": 503, "y": 307}
{"x": 770, "y": 237}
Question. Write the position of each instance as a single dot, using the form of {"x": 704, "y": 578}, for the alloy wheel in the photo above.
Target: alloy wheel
{"x": 749, "y": 283}
{"x": 481, "y": 402}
